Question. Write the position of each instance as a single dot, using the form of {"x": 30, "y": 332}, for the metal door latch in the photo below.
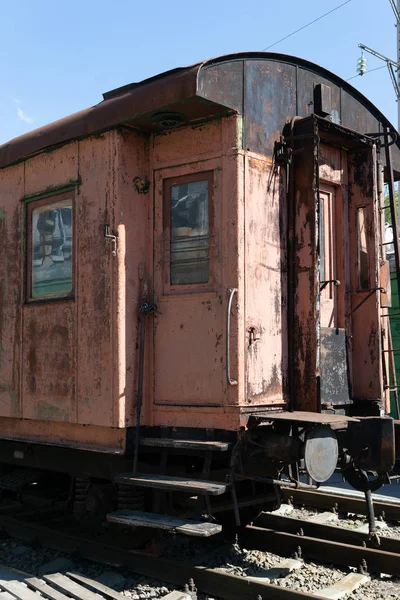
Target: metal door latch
{"x": 110, "y": 237}
{"x": 252, "y": 335}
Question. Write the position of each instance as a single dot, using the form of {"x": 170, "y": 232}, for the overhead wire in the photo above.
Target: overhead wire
{"x": 307, "y": 25}
{"x": 366, "y": 72}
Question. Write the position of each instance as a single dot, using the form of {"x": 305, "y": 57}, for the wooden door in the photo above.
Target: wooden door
{"x": 189, "y": 327}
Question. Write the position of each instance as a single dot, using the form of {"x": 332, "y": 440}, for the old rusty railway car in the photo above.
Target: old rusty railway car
{"x": 193, "y": 294}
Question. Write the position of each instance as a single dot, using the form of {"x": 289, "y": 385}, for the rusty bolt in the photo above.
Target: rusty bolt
{"x": 298, "y": 553}
{"x": 363, "y": 569}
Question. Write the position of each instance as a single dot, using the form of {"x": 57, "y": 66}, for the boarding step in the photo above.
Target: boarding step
{"x": 168, "y": 483}
{"x": 185, "y": 444}
{"x": 138, "y": 518}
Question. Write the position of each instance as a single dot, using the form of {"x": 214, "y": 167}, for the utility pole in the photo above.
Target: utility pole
{"x": 393, "y": 66}
{"x": 396, "y": 10}
{"x": 397, "y": 13}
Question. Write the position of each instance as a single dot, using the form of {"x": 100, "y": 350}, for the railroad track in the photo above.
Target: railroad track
{"x": 304, "y": 539}
{"x": 327, "y": 500}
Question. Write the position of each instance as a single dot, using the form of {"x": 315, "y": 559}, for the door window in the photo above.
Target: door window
{"x": 188, "y": 222}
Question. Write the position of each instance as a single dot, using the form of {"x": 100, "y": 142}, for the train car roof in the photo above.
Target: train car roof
{"x": 175, "y": 97}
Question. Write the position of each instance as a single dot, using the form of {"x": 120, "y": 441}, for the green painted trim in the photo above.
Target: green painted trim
{"x": 52, "y": 190}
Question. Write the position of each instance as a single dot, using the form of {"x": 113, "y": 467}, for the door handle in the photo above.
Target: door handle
{"x": 231, "y": 381}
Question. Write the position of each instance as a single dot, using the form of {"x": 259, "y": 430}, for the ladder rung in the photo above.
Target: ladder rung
{"x": 393, "y": 350}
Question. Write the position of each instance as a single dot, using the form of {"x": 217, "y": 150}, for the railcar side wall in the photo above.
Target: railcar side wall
{"x": 63, "y": 360}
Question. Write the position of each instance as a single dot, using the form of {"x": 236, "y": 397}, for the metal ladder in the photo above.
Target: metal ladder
{"x": 392, "y": 379}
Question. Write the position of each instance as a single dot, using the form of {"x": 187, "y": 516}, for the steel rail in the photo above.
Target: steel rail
{"x": 332, "y": 533}
{"x": 329, "y": 501}
{"x": 209, "y": 581}
{"x": 341, "y": 554}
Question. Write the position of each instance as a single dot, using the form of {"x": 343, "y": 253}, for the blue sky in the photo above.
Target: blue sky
{"x": 59, "y": 57}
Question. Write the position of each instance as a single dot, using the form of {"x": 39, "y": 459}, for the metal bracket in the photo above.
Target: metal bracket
{"x": 323, "y": 284}
{"x": 282, "y": 152}
{"x": 111, "y": 237}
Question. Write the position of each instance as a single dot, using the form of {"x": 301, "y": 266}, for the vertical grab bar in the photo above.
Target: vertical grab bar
{"x": 231, "y": 381}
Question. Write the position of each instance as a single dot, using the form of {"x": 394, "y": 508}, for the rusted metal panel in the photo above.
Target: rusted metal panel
{"x": 227, "y": 417}
{"x": 385, "y": 285}
{"x": 189, "y": 144}
{"x": 48, "y": 362}
{"x": 334, "y": 379}
{"x": 11, "y": 188}
{"x": 183, "y": 376}
{"x": 96, "y": 207}
{"x": 269, "y": 101}
{"x": 223, "y": 83}
{"x": 302, "y": 278}
{"x": 306, "y": 82}
{"x": 265, "y": 272}
{"x": 135, "y": 253}
{"x": 355, "y": 116}
{"x": 72, "y": 435}
{"x": 330, "y": 164}
{"x": 51, "y": 169}
{"x": 363, "y": 295}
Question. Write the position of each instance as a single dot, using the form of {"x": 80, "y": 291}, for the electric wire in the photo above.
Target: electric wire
{"x": 366, "y": 72}
{"x": 308, "y": 24}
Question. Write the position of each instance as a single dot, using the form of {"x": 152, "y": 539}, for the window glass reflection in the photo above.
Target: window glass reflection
{"x": 51, "y": 249}
{"x": 189, "y": 233}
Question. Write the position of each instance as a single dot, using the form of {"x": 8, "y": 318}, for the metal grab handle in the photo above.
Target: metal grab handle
{"x": 231, "y": 381}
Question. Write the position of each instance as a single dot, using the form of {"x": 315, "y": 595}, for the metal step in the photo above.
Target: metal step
{"x": 179, "y": 484}
{"x": 185, "y": 444}
{"x": 138, "y": 518}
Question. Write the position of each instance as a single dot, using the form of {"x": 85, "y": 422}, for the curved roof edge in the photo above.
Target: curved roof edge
{"x": 163, "y": 90}
{"x": 302, "y": 62}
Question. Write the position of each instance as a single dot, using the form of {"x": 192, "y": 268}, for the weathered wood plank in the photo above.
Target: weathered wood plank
{"x": 96, "y": 585}
{"x": 180, "y": 484}
{"x": 138, "y": 518}
{"x": 18, "y": 589}
{"x": 71, "y": 587}
{"x": 6, "y": 596}
{"x": 46, "y": 591}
